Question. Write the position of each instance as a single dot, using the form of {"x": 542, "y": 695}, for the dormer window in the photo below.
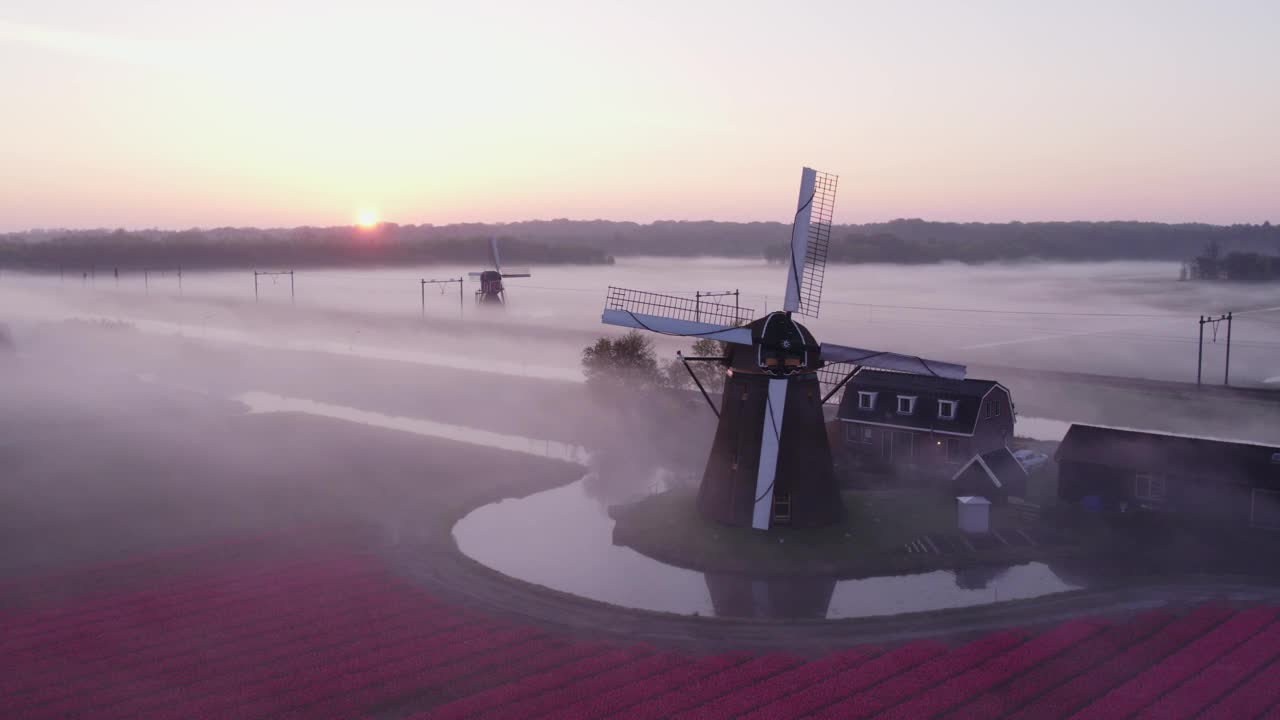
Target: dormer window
{"x": 946, "y": 409}
{"x": 866, "y": 400}
{"x": 906, "y": 404}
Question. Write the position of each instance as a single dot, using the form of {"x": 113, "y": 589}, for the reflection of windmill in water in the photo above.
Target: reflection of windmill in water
{"x": 491, "y": 290}
{"x": 770, "y": 463}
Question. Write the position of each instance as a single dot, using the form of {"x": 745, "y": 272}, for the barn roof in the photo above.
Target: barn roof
{"x": 928, "y": 390}
{"x": 1163, "y": 453}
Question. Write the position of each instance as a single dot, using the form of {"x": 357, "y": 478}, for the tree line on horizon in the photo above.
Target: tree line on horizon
{"x": 598, "y": 241}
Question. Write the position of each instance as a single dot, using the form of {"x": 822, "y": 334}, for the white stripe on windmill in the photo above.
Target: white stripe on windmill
{"x": 491, "y": 291}
{"x": 770, "y": 463}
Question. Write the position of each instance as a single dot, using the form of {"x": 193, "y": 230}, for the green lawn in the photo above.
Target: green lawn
{"x": 878, "y": 524}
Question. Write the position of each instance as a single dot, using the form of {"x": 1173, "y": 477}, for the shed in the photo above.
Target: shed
{"x": 973, "y": 514}
{"x": 1227, "y": 482}
{"x": 995, "y": 475}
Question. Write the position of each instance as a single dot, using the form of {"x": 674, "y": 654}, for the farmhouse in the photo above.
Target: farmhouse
{"x": 921, "y": 426}
{"x": 1222, "y": 481}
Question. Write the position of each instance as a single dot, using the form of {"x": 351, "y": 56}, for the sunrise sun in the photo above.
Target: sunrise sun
{"x": 367, "y": 218}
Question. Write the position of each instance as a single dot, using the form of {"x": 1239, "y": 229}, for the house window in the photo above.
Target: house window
{"x": 866, "y": 400}
{"x": 955, "y": 449}
{"x": 906, "y": 404}
{"x": 782, "y": 508}
{"x": 991, "y": 409}
{"x": 946, "y": 409}
{"x": 1148, "y": 487}
{"x": 867, "y": 436}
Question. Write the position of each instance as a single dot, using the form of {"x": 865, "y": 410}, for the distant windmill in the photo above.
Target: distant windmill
{"x": 770, "y": 463}
{"x": 491, "y": 291}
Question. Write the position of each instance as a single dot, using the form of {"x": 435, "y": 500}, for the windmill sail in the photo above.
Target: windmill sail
{"x": 810, "y": 240}
{"x": 675, "y": 315}
{"x": 832, "y": 354}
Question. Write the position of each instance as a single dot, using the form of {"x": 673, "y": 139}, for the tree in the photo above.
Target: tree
{"x": 711, "y": 375}
{"x": 629, "y": 359}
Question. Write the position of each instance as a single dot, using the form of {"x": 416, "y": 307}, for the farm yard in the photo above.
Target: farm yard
{"x": 186, "y": 558}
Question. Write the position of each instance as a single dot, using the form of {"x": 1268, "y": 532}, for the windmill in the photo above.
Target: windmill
{"x": 770, "y": 462}
{"x": 491, "y": 291}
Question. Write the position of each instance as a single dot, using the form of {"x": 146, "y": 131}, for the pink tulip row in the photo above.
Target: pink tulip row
{"x": 240, "y": 669}
{"x": 1249, "y": 699}
{"x": 46, "y": 588}
{"x": 162, "y": 667}
{"x": 110, "y": 649}
{"x": 487, "y": 701}
{"x": 551, "y": 700}
{"x": 239, "y": 663}
{"x": 115, "y": 647}
{"x": 1110, "y": 670}
{"x": 1045, "y": 677}
{"x": 332, "y": 672}
{"x": 458, "y": 679}
{"x": 636, "y": 693}
{"x": 1219, "y": 678}
{"x": 120, "y": 647}
{"x": 900, "y": 687}
{"x": 780, "y": 685}
{"x": 997, "y": 670}
{"x": 842, "y": 685}
{"x": 38, "y": 629}
{"x": 1147, "y": 687}
{"x": 314, "y": 666}
{"x": 706, "y": 689}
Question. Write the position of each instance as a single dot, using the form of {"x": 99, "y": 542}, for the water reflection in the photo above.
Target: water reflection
{"x": 563, "y": 539}
{"x": 261, "y": 402}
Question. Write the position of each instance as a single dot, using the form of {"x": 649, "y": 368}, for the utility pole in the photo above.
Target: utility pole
{"x": 1200, "y": 357}
{"x": 1226, "y": 373}
{"x": 256, "y": 273}
{"x": 423, "y": 284}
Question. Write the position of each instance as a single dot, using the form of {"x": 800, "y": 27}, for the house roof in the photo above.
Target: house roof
{"x": 1000, "y": 466}
{"x": 928, "y": 390}
{"x": 1162, "y": 453}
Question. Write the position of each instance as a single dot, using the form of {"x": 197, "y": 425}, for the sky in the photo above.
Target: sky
{"x": 175, "y": 114}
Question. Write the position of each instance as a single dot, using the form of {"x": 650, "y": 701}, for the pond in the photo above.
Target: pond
{"x": 563, "y": 539}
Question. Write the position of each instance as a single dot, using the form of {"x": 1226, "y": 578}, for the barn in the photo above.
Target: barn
{"x": 1221, "y": 481}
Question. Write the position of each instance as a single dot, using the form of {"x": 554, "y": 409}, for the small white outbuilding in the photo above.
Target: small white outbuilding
{"x": 974, "y": 514}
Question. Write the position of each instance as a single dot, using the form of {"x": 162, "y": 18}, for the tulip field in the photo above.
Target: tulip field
{"x": 332, "y": 634}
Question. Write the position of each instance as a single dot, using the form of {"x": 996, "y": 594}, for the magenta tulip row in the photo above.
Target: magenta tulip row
{"x": 635, "y": 693}
{"x": 163, "y": 660}
{"x": 265, "y": 653}
{"x": 1109, "y": 670}
{"x": 1046, "y": 676}
{"x": 841, "y": 685}
{"x": 905, "y": 685}
{"x": 1157, "y": 679}
{"x": 931, "y": 701}
{"x": 487, "y": 701}
{"x": 106, "y": 642}
{"x": 1221, "y": 677}
{"x": 762, "y": 693}
{"x": 33, "y": 629}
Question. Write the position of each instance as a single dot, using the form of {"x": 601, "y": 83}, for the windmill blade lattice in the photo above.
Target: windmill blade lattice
{"x": 822, "y": 209}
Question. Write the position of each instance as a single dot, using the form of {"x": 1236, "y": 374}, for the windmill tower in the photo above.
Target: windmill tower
{"x": 491, "y": 290}
{"x": 770, "y": 463}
